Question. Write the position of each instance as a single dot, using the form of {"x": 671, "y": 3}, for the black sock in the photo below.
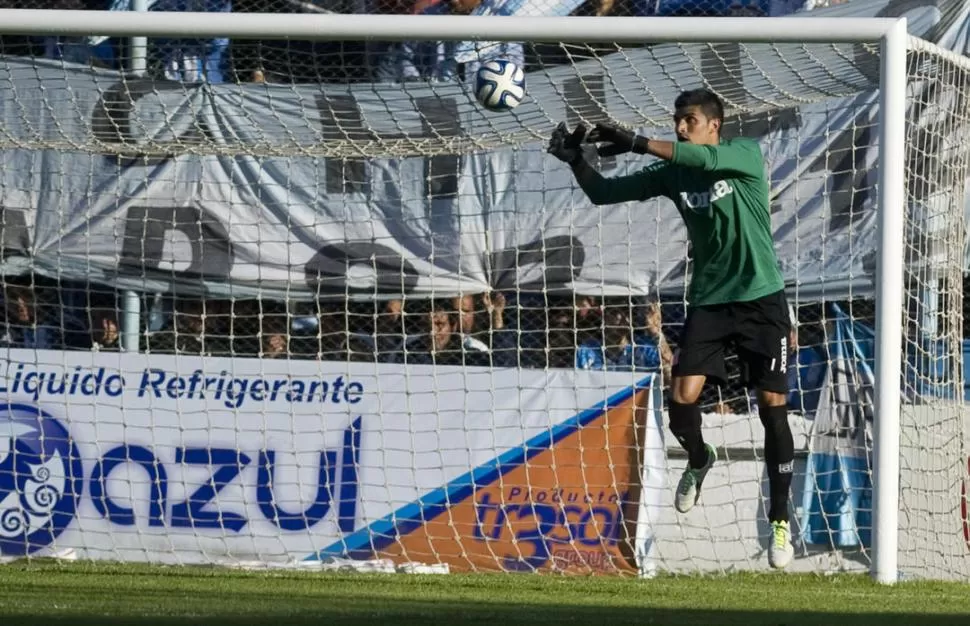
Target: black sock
{"x": 685, "y": 424}
{"x": 779, "y": 459}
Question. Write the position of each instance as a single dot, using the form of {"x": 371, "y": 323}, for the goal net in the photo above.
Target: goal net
{"x": 320, "y": 307}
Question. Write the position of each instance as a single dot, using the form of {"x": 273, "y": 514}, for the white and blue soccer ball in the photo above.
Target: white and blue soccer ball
{"x": 500, "y": 85}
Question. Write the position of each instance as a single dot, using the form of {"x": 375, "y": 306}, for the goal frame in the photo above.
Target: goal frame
{"x": 890, "y": 33}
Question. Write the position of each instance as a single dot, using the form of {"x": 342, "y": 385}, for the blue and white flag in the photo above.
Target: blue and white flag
{"x": 837, "y": 500}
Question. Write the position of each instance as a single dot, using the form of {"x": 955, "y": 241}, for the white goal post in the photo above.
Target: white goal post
{"x": 889, "y": 34}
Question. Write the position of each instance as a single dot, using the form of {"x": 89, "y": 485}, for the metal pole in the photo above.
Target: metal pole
{"x": 138, "y": 45}
{"x": 131, "y": 307}
{"x": 889, "y": 302}
{"x": 444, "y": 27}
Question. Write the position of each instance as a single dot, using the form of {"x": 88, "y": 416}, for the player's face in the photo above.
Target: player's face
{"x": 692, "y": 126}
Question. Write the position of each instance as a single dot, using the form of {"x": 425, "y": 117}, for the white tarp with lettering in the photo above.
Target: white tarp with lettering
{"x": 303, "y": 225}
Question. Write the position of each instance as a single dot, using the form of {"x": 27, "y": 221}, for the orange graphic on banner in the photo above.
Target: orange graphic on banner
{"x": 570, "y": 508}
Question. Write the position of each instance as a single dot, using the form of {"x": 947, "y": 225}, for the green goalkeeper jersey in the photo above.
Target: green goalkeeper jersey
{"x": 722, "y": 194}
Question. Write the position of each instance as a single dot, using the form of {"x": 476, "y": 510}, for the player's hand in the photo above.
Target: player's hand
{"x": 618, "y": 140}
{"x": 566, "y": 146}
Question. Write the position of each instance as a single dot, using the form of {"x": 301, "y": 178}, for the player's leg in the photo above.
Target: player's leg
{"x": 779, "y": 451}
{"x": 779, "y": 462}
{"x": 700, "y": 355}
{"x": 685, "y": 417}
{"x": 765, "y": 328}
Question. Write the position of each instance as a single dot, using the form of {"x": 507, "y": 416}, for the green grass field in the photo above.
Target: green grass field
{"x": 84, "y": 593}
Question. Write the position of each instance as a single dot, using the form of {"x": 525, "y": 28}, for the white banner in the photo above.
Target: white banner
{"x": 215, "y": 460}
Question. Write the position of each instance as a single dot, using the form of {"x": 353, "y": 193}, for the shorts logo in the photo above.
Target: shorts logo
{"x": 40, "y": 479}
{"x": 784, "y": 354}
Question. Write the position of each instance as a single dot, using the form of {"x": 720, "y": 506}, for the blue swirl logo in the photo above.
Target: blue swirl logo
{"x": 40, "y": 479}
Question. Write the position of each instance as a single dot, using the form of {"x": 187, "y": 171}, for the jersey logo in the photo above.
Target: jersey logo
{"x": 700, "y": 202}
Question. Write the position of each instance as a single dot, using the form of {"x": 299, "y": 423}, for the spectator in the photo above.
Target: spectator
{"x": 441, "y": 342}
{"x": 105, "y": 336}
{"x": 241, "y": 326}
{"x": 588, "y": 311}
{"x": 192, "y": 60}
{"x": 77, "y": 303}
{"x": 619, "y": 349}
{"x": 464, "y": 305}
{"x": 360, "y": 349}
{"x": 482, "y": 326}
{"x": 653, "y": 328}
{"x": 339, "y": 336}
{"x": 25, "y": 325}
{"x": 389, "y": 328}
{"x": 500, "y": 339}
{"x": 190, "y": 333}
{"x": 275, "y": 338}
{"x": 436, "y": 61}
{"x": 333, "y": 331}
{"x": 373, "y": 331}
{"x": 298, "y": 61}
{"x": 561, "y": 346}
{"x": 595, "y": 8}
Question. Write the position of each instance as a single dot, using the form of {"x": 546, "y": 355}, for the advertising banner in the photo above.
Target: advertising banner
{"x": 192, "y": 460}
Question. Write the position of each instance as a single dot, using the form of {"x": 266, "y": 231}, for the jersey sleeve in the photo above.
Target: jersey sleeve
{"x": 739, "y": 157}
{"x": 643, "y": 185}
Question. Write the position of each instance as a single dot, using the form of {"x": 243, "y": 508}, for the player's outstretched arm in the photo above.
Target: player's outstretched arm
{"x": 568, "y": 148}
{"x": 739, "y": 158}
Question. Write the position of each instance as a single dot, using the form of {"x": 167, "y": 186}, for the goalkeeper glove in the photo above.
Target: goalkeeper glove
{"x": 566, "y": 146}
{"x": 618, "y": 140}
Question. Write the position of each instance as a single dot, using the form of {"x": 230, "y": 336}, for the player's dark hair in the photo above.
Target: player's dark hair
{"x": 708, "y": 101}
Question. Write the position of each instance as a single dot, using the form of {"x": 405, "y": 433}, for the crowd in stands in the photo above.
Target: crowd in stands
{"x": 474, "y": 330}
{"x": 526, "y": 330}
{"x": 224, "y": 60}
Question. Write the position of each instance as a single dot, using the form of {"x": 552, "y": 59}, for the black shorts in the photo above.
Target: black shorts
{"x": 759, "y": 331}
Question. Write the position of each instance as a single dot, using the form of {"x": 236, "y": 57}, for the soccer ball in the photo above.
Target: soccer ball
{"x": 500, "y": 85}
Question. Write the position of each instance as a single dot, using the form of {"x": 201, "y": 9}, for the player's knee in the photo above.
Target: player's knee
{"x": 772, "y": 399}
{"x": 682, "y": 397}
{"x": 683, "y": 390}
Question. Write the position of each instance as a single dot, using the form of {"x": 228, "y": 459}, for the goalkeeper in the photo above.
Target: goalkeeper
{"x": 736, "y": 292}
